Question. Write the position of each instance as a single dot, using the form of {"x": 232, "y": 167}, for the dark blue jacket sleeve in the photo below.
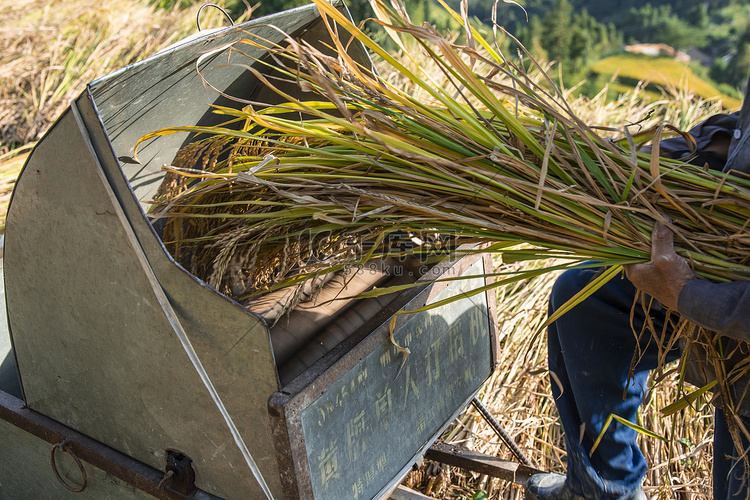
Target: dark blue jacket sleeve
{"x": 721, "y": 307}
{"x": 703, "y": 134}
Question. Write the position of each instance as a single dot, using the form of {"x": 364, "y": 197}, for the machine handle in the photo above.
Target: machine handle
{"x": 63, "y": 446}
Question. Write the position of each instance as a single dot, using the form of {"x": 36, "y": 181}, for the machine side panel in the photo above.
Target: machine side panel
{"x": 233, "y": 344}
{"x": 94, "y": 347}
{"x": 387, "y": 408}
{"x": 363, "y": 421}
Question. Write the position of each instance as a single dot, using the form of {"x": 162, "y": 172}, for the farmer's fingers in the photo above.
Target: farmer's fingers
{"x": 662, "y": 241}
{"x": 637, "y": 273}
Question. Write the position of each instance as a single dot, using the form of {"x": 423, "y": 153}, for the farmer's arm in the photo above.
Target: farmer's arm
{"x": 712, "y": 139}
{"x": 720, "y": 307}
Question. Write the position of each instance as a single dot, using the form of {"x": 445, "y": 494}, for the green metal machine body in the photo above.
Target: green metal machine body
{"x": 95, "y": 304}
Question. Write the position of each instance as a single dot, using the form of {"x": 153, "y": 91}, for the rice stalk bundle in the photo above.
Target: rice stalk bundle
{"x": 490, "y": 156}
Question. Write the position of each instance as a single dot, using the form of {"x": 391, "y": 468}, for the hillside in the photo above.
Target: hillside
{"x": 578, "y": 32}
{"x": 657, "y": 73}
{"x": 617, "y": 12}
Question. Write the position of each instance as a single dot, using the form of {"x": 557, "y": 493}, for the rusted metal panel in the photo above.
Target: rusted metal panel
{"x": 359, "y": 419}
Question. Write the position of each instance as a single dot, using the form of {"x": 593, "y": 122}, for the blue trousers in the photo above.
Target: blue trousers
{"x": 591, "y": 349}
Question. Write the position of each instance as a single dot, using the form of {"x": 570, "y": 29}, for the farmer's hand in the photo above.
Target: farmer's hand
{"x": 666, "y": 274}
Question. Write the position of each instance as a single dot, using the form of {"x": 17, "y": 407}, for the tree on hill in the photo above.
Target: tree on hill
{"x": 556, "y": 35}
{"x": 572, "y": 39}
{"x": 658, "y": 24}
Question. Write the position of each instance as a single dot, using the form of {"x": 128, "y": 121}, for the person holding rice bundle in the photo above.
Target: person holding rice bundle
{"x": 591, "y": 350}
